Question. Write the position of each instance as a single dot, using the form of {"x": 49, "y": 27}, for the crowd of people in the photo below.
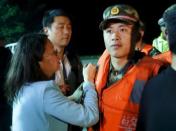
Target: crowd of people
{"x": 131, "y": 88}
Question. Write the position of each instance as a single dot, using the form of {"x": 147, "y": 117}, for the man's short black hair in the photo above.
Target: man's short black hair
{"x": 170, "y": 20}
{"x": 49, "y": 15}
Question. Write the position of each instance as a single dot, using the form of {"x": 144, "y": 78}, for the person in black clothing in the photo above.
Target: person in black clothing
{"x": 58, "y": 27}
{"x": 158, "y": 108}
{"x": 5, "y": 108}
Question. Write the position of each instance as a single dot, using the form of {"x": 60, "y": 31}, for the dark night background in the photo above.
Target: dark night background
{"x": 86, "y": 15}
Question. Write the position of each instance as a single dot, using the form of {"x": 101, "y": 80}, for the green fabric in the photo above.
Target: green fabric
{"x": 161, "y": 44}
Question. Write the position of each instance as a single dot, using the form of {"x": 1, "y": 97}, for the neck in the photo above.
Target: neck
{"x": 118, "y": 64}
{"x": 60, "y": 52}
{"x": 173, "y": 64}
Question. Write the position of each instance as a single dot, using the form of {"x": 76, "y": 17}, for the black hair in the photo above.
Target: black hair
{"x": 49, "y": 16}
{"x": 135, "y": 37}
{"x": 170, "y": 21}
{"x": 105, "y": 24}
{"x": 24, "y": 66}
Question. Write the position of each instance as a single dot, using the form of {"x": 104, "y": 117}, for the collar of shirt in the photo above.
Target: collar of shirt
{"x": 115, "y": 75}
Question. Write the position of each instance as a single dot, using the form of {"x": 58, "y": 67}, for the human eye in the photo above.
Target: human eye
{"x": 59, "y": 27}
{"x": 109, "y": 31}
{"x": 123, "y": 29}
{"x": 69, "y": 26}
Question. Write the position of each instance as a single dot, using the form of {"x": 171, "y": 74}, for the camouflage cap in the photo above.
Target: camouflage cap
{"x": 119, "y": 12}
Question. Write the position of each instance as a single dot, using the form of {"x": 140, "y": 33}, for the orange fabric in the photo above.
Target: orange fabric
{"x": 118, "y": 112}
{"x": 165, "y": 57}
{"x": 146, "y": 49}
{"x": 90, "y": 129}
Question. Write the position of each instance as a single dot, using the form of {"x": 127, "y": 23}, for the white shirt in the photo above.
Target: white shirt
{"x": 60, "y": 74}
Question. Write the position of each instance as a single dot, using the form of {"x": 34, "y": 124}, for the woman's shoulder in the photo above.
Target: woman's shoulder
{"x": 40, "y": 85}
{"x": 38, "y": 89}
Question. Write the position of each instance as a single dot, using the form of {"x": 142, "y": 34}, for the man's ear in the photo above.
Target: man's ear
{"x": 141, "y": 33}
{"x": 45, "y": 30}
{"x": 166, "y": 33}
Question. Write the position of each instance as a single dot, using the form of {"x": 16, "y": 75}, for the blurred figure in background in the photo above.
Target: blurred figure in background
{"x": 58, "y": 27}
{"x": 148, "y": 49}
{"x": 5, "y": 108}
{"x": 161, "y": 42}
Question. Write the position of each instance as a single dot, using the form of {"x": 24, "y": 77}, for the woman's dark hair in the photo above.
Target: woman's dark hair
{"x": 24, "y": 66}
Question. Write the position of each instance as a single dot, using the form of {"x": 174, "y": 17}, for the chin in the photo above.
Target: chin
{"x": 114, "y": 54}
{"x": 117, "y": 55}
{"x": 63, "y": 45}
{"x": 57, "y": 68}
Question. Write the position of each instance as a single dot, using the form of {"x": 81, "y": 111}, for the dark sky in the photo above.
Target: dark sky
{"x": 87, "y": 38}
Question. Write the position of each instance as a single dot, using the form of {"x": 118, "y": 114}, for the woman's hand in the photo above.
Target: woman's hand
{"x": 89, "y": 72}
{"x": 65, "y": 88}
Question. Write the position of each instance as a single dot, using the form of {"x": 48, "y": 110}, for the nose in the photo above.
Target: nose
{"x": 115, "y": 36}
{"x": 67, "y": 30}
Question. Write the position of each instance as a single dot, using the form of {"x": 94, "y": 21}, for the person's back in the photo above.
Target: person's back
{"x": 5, "y": 108}
{"x": 157, "y": 111}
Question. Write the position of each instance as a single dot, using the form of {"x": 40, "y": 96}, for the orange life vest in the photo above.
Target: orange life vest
{"x": 164, "y": 57}
{"x": 119, "y": 103}
{"x": 146, "y": 49}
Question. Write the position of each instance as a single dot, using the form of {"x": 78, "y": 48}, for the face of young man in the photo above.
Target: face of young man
{"x": 60, "y": 31}
{"x": 117, "y": 38}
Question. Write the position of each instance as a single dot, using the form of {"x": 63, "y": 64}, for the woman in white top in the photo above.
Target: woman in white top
{"x": 38, "y": 104}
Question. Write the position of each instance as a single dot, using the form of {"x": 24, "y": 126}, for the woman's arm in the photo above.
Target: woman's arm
{"x": 59, "y": 106}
